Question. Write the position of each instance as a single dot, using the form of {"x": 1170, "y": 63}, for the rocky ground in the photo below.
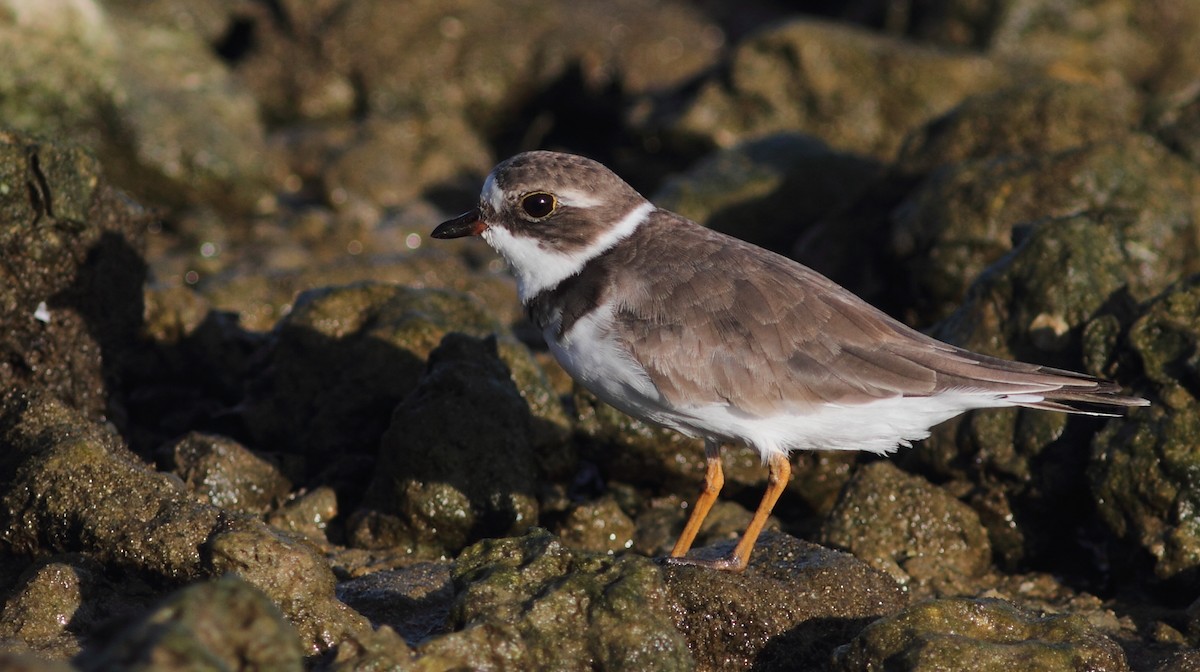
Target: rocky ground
{"x": 252, "y": 417}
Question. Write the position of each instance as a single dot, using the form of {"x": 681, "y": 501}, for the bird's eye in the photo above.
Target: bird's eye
{"x": 539, "y": 204}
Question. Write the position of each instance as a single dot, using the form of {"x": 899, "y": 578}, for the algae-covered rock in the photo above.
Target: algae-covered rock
{"x": 903, "y": 525}
{"x": 69, "y": 485}
{"x": 788, "y": 610}
{"x": 858, "y": 91}
{"x": 70, "y": 277}
{"x": 1027, "y": 465}
{"x": 224, "y": 473}
{"x": 769, "y": 190}
{"x": 962, "y": 218}
{"x": 150, "y": 98}
{"x": 599, "y": 526}
{"x": 345, "y": 357}
{"x": 457, "y": 463}
{"x": 974, "y": 635}
{"x": 223, "y": 624}
{"x": 531, "y": 603}
{"x": 1145, "y": 470}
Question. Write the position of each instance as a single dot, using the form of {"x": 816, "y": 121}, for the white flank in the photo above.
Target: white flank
{"x": 878, "y": 426}
{"x": 593, "y": 355}
{"x": 538, "y": 267}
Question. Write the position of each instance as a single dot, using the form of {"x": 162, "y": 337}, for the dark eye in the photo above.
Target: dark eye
{"x": 538, "y": 205}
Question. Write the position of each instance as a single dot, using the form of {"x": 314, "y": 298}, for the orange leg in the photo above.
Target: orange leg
{"x": 780, "y": 470}
{"x": 714, "y": 479}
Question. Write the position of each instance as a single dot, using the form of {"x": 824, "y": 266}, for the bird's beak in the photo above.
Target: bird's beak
{"x": 467, "y": 224}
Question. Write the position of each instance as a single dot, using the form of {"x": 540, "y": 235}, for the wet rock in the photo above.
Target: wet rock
{"x": 192, "y": 628}
{"x": 963, "y": 218}
{"x": 222, "y": 472}
{"x": 599, "y": 526}
{"x": 443, "y": 60}
{"x": 530, "y": 603}
{"x": 307, "y": 515}
{"x": 1176, "y": 122}
{"x": 1030, "y": 118}
{"x": 69, "y": 486}
{"x": 788, "y": 610}
{"x": 1143, "y": 469}
{"x": 769, "y": 190}
{"x": 456, "y": 464}
{"x": 59, "y": 602}
{"x": 979, "y": 634}
{"x": 71, "y": 274}
{"x": 858, "y": 91}
{"x": 25, "y": 662}
{"x": 152, "y": 100}
{"x": 1026, "y": 466}
{"x": 414, "y": 601}
{"x": 904, "y": 526}
{"x": 345, "y": 357}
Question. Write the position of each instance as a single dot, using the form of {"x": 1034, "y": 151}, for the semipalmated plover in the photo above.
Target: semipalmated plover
{"x": 716, "y": 338}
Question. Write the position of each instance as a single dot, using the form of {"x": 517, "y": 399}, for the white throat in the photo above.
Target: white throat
{"x": 539, "y": 267}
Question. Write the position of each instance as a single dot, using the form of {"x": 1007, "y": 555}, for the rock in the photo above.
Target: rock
{"x": 71, "y": 275}
{"x": 599, "y": 526}
{"x": 1026, "y": 467}
{"x": 530, "y": 603}
{"x": 965, "y": 217}
{"x": 768, "y": 191}
{"x": 59, "y": 601}
{"x": 222, "y": 472}
{"x": 150, "y": 99}
{"x": 1035, "y": 118}
{"x": 457, "y": 465}
{"x": 914, "y": 532}
{"x": 343, "y": 359}
{"x": 307, "y": 515}
{"x": 788, "y": 610}
{"x": 858, "y": 91}
{"x": 69, "y": 485}
{"x": 414, "y": 601}
{"x": 192, "y": 628}
{"x": 979, "y": 634}
{"x": 1144, "y": 469}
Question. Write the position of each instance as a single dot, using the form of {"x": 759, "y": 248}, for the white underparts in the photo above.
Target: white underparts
{"x": 539, "y": 267}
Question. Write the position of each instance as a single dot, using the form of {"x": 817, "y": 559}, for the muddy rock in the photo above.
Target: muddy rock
{"x": 71, "y": 274}
{"x": 192, "y": 628}
{"x": 530, "y": 603}
{"x": 979, "y": 634}
{"x": 1143, "y": 470}
{"x": 222, "y": 472}
{"x": 906, "y": 527}
{"x": 792, "y": 606}
{"x": 858, "y": 91}
{"x": 456, "y": 464}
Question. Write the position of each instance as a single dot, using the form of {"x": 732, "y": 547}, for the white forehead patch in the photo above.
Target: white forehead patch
{"x": 538, "y": 267}
{"x": 491, "y": 193}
